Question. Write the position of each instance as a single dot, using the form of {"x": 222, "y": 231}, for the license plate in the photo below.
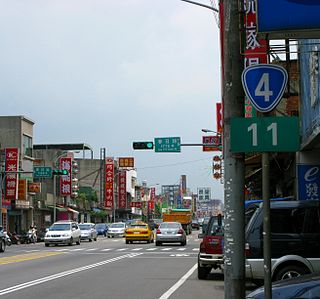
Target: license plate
{"x": 136, "y": 233}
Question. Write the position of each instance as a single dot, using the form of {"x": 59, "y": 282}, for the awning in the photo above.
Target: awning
{"x": 60, "y": 209}
{"x": 73, "y": 211}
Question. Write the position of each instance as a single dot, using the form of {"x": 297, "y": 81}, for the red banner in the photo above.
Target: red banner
{"x": 11, "y": 181}
{"x": 151, "y": 205}
{"x": 66, "y": 180}
{"x": 122, "y": 187}
{"x": 219, "y": 117}
{"x": 256, "y": 49}
{"x": 136, "y": 204}
{"x": 109, "y": 196}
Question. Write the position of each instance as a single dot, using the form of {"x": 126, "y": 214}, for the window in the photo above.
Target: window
{"x": 27, "y": 146}
{"x": 287, "y": 221}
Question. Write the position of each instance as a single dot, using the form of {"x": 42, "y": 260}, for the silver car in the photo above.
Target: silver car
{"x": 116, "y": 229}
{"x": 88, "y": 231}
{"x": 171, "y": 232}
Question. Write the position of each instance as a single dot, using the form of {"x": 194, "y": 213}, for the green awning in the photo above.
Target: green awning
{"x": 60, "y": 209}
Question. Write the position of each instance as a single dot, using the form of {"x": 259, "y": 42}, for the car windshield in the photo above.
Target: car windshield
{"x": 60, "y": 226}
{"x": 216, "y": 229}
{"x": 117, "y": 225}
{"x": 169, "y": 225}
{"x": 100, "y": 225}
{"x": 137, "y": 225}
{"x": 85, "y": 226}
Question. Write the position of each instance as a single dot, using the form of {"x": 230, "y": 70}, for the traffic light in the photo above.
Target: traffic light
{"x": 60, "y": 172}
{"x": 143, "y": 145}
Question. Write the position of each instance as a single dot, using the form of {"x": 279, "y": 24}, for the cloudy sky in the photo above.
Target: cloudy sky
{"x": 110, "y": 72}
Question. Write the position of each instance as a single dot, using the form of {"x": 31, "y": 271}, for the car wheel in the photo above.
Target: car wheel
{"x": 46, "y": 244}
{"x": 203, "y": 272}
{"x": 158, "y": 243}
{"x": 95, "y": 239}
{"x": 109, "y": 237}
{"x": 290, "y": 272}
{"x": 79, "y": 241}
{"x": 70, "y": 242}
{"x": 184, "y": 243}
{"x": 90, "y": 240}
{"x": 127, "y": 242}
{"x": 2, "y": 245}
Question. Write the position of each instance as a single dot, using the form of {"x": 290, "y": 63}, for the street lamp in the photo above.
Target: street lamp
{"x": 210, "y": 131}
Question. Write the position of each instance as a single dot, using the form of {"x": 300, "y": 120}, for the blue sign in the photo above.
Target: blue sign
{"x": 288, "y": 15}
{"x": 309, "y": 182}
{"x": 264, "y": 85}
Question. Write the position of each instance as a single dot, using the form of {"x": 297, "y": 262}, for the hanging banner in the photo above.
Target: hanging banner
{"x": 109, "y": 194}
{"x": 11, "y": 165}
{"x": 65, "y": 180}
{"x": 122, "y": 189}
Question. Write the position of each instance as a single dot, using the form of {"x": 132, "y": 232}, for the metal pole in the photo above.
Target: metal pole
{"x": 266, "y": 226}
{"x": 54, "y": 198}
{"x": 1, "y": 199}
{"x": 233, "y": 106}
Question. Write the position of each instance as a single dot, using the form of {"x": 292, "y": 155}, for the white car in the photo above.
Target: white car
{"x": 116, "y": 229}
{"x": 88, "y": 231}
{"x": 63, "y": 232}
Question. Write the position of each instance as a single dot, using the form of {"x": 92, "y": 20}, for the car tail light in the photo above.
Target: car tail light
{"x": 202, "y": 247}
{"x": 144, "y": 232}
{"x": 247, "y": 250}
{"x": 180, "y": 231}
{"x": 129, "y": 232}
{"x": 158, "y": 232}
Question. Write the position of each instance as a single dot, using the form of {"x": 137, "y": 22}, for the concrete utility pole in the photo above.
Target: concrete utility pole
{"x": 233, "y": 106}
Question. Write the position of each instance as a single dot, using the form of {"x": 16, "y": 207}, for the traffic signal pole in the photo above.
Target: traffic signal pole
{"x": 233, "y": 106}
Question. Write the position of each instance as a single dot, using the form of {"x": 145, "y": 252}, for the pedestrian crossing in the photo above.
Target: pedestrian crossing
{"x": 126, "y": 249}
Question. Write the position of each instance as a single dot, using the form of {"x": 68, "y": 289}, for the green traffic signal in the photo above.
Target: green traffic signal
{"x": 60, "y": 172}
{"x": 143, "y": 145}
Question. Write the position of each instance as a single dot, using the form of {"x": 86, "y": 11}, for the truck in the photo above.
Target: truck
{"x": 184, "y": 216}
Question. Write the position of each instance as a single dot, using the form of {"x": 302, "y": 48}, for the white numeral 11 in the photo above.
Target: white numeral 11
{"x": 272, "y": 127}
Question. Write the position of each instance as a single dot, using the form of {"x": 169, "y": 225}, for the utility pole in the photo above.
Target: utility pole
{"x": 233, "y": 106}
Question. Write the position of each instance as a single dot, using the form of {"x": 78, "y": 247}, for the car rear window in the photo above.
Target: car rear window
{"x": 117, "y": 225}
{"x": 60, "y": 226}
{"x": 138, "y": 225}
{"x": 85, "y": 226}
{"x": 169, "y": 225}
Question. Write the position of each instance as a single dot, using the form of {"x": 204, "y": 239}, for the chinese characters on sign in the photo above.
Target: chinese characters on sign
{"x": 214, "y": 140}
{"x": 11, "y": 165}
{"x": 109, "y": 183}
{"x": 219, "y": 117}
{"x": 122, "y": 185}
{"x": 126, "y": 162}
{"x": 136, "y": 204}
{"x": 309, "y": 182}
{"x": 65, "y": 180}
{"x": 256, "y": 49}
{"x": 22, "y": 189}
{"x": 167, "y": 145}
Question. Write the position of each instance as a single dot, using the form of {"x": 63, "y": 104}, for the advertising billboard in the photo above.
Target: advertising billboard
{"x": 289, "y": 18}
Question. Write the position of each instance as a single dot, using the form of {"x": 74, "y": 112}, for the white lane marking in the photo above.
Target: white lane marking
{"x": 34, "y": 250}
{"x": 77, "y": 249}
{"x": 151, "y": 249}
{"x": 106, "y": 249}
{"x": 181, "y": 249}
{"x": 179, "y": 254}
{"x": 121, "y": 249}
{"x": 64, "y": 249}
{"x": 179, "y": 283}
{"x": 137, "y": 249}
{"x": 195, "y": 249}
{"x": 166, "y": 249}
{"x": 91, "y": 249}
{"x": 62, "y": 274}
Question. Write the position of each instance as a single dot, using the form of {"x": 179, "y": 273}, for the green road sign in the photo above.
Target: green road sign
{"x": 265, "y": 134}
{"x": 167, "y": 145}
{"x": 42, "y": 172}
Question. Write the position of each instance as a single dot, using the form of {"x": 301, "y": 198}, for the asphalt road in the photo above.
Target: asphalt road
{"x": 108, "y": 268}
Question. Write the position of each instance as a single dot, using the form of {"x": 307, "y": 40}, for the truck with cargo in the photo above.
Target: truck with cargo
{"x": 184, "y": 216}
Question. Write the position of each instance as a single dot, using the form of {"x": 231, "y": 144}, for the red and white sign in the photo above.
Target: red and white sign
{"x": 66, "y": 180}
{"x": 214, "y": 140}
{"x": 151, "y": 205}
{"x": 219, "y": 117}
{"x": 122, "y": 186}
{"x": 256, "y": 49}
{"x": 11, "y": 181}
{"x": 109, "y": 194}
{"x": 136, "y": 204}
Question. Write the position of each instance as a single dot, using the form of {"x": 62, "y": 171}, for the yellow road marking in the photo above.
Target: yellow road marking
{"x": 26, "y": 257}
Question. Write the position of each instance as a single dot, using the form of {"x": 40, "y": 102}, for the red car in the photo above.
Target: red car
{"x": 211, "y": 248}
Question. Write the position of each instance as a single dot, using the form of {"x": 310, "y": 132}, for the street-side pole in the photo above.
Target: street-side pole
{"x": 54, "y": 198}
{"x": 1, "y": 199}
{"x": 233, "y": 106}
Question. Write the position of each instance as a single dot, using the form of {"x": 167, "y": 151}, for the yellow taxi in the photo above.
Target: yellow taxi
{"x": 139, "y": 231}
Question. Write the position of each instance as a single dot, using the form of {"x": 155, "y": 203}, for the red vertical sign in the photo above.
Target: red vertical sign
{"x": 256, "y": 49}
{"x": 11, "y": 165}
{"x": 122, "y": 186}
{"x": 109, "y": 196}
{"x": 219, "y": 117}
{"x": 65, "y": 180}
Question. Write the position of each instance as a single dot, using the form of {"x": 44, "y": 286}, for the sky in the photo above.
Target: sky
{"x": 110, "y": 72}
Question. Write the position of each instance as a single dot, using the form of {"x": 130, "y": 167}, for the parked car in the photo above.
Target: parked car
{"x": 88, "y": 231}
{"x": 295, "y": 240}
{"x": 102, "y": 229}
{"x": 139, "y": 231}
{"x": 210, "y": 255}
{"x": 170, "y": 232}
{"x": 116, "y": 229}
{"x": 305, "y": 286}
{"x": 195, "y": 224}
{"x": 63, "y": 232}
